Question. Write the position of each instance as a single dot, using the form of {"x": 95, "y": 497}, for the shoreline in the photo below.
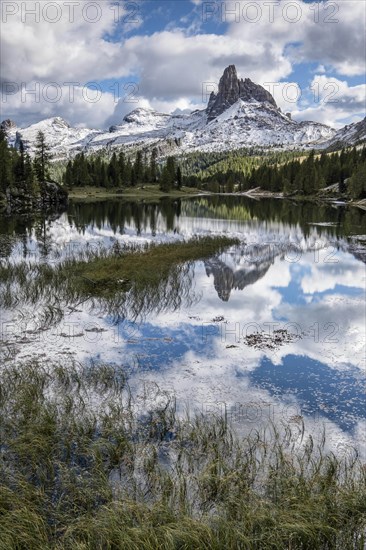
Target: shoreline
{"x": 151, "y": 192}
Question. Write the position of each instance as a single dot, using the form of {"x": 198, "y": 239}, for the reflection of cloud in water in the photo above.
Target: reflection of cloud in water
{"x": 338, "y": 394}
{"x": 261, "y": 282}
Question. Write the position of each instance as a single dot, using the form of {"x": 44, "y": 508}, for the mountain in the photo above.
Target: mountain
{"x": 349, "y": 135}
{"x": 231, "y": 89}
{"x": 62, "y": 138}
{"x": 241, "y": 114}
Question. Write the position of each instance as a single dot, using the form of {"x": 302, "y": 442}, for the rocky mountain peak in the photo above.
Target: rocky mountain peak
{"x": 231, "y": 89}
{"x": 7, "y": 125}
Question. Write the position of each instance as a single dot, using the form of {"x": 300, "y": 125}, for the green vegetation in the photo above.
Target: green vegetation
{"x": 223, "y": 171}
{"x": 130, "y": 281}
{"x": 142, "y": 268}
{"x": 289, "y": 172}
{"x": 143, "y": 192}
{"x": 25, "y": 184}
{"x": 120, "y": 171}
{"x": 81, "y": 468}
{"x": 305, "y": 175}
{"x": 16, "y": 168}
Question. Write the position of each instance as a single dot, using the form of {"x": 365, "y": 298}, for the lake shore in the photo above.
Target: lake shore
{"x": 152, "y": 193}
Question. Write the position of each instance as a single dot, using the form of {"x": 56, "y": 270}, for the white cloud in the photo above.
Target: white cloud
{"x": 333, "y": 101}
{"x": 172, "y": 65}
{"x": 87, "y": 108}
{"x": 331, "y": 33}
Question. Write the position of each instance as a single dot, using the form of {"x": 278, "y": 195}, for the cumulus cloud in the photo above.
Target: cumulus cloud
{"x": 333, "y": 101}
{"x": 264, "y": 40}
{"x": 78, "y": 105}
{"x": 331, "y": 33}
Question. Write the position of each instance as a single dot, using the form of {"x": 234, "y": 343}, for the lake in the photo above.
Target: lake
{"x": 271, "y": 330}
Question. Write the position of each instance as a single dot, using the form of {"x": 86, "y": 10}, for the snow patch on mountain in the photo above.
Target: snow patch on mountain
{"x": 349, "y": 135}
{"x": 63, "y": 139}
{"x": 247, "y": 116}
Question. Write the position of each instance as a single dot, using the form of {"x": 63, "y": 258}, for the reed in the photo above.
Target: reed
{"x": 86, "y": 465}
{"x": 123, "y": 282}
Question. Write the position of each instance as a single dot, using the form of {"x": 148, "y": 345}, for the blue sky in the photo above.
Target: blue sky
{"x": 160, "y": 54}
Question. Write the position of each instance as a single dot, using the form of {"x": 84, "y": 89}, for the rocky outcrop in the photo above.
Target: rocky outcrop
{"x": 7, "y": 125}
{"x": 231, "y": 89}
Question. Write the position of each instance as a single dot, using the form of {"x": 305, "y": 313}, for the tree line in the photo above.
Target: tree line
{"x": 242, "y": 170}
{"x": 122, "y": 171}
{"x": 299, "y": 176}
{"x": 19, "y": 171}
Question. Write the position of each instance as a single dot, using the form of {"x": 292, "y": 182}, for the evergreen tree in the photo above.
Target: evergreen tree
{"x": 68, "y": 175}
{"x": 122, "y": 168}
{"x": 5, "y": 163}
{"x": 138, "y": 168}
{"x": 19, "y": 166}
{"x": 28, "y": 175}
{"x": 42, "y": 158}
{"x": 165, "y": 180}
{"x": 153, "y": 166}
{"x": 179, "y": 177}
{"x": 170, "y": 165}
{"x": 113, "y": 172}
{"x": 357, "y": 183}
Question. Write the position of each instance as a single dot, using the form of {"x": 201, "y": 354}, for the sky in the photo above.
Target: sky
{"x": 92, "y": 62}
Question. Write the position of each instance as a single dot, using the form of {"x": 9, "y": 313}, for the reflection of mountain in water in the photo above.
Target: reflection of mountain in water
{"x": 227, "y": 278}
{"x": 244, "y": 265}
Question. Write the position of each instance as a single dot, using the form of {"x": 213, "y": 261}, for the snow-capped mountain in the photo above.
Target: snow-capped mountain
{"x": 60, "y": 136}
{"x": 349, "y": 135}
{"x": 241, "y": 114}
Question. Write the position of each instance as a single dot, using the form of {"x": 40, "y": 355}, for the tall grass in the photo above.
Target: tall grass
{"x": 130, "y": 281}
{"x": 85, "y": 465}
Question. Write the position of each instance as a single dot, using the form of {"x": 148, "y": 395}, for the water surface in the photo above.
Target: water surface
{"x": 272, "y": 329}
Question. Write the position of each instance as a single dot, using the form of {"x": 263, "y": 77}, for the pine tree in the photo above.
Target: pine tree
{"x": 357, "y": 183}
{"x": 138, "y": 168}
{"x": 113, "y": 172}
{"x": 5, "y": 163}
{"x": 122, "y": 168}
{"x": 153, "y": 165}
{"x": 42, "y": 158}
{"x": 179, "y": 177}
{"x": 28, "y": 175}
{"x": 165, "y": 180}
{"x": 19, "y": 166}
{"x": 170, "y": 166}
{"x": 68, "y": 175}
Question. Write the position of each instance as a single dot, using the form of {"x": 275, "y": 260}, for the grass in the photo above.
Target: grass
{"x": 146, "y": 191}
{"x": 133, "y": 280}
{"x": 146, "y": 267}
{"x": 85, "y": 465}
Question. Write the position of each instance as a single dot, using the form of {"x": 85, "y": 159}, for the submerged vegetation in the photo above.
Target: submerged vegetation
{"x": 131, "y": 279}
{"x": 87, "y": 465}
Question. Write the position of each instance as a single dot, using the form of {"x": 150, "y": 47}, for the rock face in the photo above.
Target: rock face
{"x": 231, "y": 89}
{"x": 241, "y": 114}
{"x": 7, "y": 125}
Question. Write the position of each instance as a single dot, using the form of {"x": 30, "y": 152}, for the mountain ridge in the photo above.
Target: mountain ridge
{"x": 241, "y": 114}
